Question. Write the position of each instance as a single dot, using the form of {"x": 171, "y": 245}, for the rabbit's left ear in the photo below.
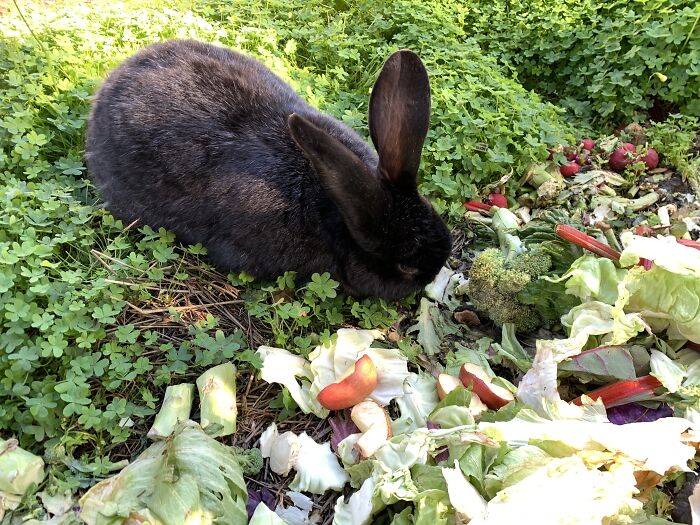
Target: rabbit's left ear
{"x": 346, "y": 179}
{"x": 399, "y": 116}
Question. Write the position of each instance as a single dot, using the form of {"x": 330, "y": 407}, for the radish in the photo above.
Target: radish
{"x": 570, "y": 169}
{"x": 622, "y": 157}
{"x": 587, "y": 144}
{"x": 651, "y": 159}
{"x": 571, "y": 155}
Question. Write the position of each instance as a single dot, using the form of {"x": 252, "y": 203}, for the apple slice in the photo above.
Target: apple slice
{"x": 493, "y": 396}
{"x": 476, "y": 405}
{"x": 375, "y": 425}
{"x": 446, "y": 384}
{"x": 358, "y": 382}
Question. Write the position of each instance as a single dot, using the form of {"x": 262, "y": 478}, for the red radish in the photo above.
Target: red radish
{"x": 623, "y": 392}
{"x": 584, "y": 160}
{"x": 622, "y": 157}
{"x": 570, "y": 169}
{"x": 572, "y": 155}
{"x": 493, "y": 396}
{"x": 497, "y": 199}
{"x": 587, "y": 144}
{"x": 586, "y": 242}
{"x": 651, "y": 159}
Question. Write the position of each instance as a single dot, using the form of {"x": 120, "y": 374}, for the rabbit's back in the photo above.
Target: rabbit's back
{"x": 193, "y": 138}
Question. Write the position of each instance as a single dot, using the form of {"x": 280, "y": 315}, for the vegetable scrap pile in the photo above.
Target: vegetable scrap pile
{"x": 558, "y": 371}
{"x": 556, "y": 374}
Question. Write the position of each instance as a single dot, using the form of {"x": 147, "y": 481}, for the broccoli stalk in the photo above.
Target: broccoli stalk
{"x": 177, "y": 405}
{"x": 217, "y": 397}
{"x": 497, "y": 276}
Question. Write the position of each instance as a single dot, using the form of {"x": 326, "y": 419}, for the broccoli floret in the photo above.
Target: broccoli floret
{"x": 250, "y": 460}
{"x": 494, "y": 283}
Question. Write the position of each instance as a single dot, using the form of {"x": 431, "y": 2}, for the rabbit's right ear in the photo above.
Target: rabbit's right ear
{"x": 343, "y": 175}
{"x": 399, "y": 116}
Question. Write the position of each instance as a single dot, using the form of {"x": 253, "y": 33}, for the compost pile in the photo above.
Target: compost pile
{"x": 558, "y": 378}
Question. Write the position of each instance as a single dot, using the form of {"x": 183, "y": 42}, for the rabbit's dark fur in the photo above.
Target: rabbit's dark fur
{"x": 211, "y": 145}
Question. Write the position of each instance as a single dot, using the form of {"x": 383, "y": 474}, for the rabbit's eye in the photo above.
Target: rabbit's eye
{"x": 408, "y": 270}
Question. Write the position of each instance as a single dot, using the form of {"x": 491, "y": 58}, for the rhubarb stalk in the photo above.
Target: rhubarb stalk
{"x": 478, "y": 206}
{"x": 623, "y": 392}
{"x": 586, "y": 242}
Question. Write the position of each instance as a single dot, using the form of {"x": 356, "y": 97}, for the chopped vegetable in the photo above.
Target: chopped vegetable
{"x": 318, "y": 470}
{"x": 586, "y": 241}
{"x": 495, "y": 281}
{"x": 478, "y": 207}
{"x": 264, "y": 516}
{"x": 20, "y": 470}
{"x": 217, "y": 398}
{"x": 497, "y": 199}
{"x": 177, "y": 405}
{"x": 316, "y": 465}
{"x": 299, "y": 513}
{"x": 283, "y": 450}
{"x": 189, "y": 478}
{"x": 250, "y": 460}
{"x": 623, "y": 392}
{"x": 283, "y": 367}
{"x": 468, "y": 503}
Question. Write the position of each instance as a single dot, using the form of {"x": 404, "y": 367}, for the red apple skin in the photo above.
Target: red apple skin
{"x": 472, "y": 375}
{"x": 353, "y": 387}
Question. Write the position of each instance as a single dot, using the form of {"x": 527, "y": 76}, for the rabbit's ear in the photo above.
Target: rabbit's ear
{"x": 343, "y": 175}
{"x": 399, "y": 116}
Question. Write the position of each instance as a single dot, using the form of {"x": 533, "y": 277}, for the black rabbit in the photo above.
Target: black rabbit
{"x": 213, "y": 146}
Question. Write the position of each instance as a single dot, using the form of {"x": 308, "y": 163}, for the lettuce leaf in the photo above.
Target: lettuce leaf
{"x": 565, "y": 492}
{"x": 264, "y": 516}
{"x": 656, "y": 446}
{"x": 189, "y": 478}
{"x": 592, "y": 278}
{"x": 283, "y": 367}
{"x": 418, "y": 401}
